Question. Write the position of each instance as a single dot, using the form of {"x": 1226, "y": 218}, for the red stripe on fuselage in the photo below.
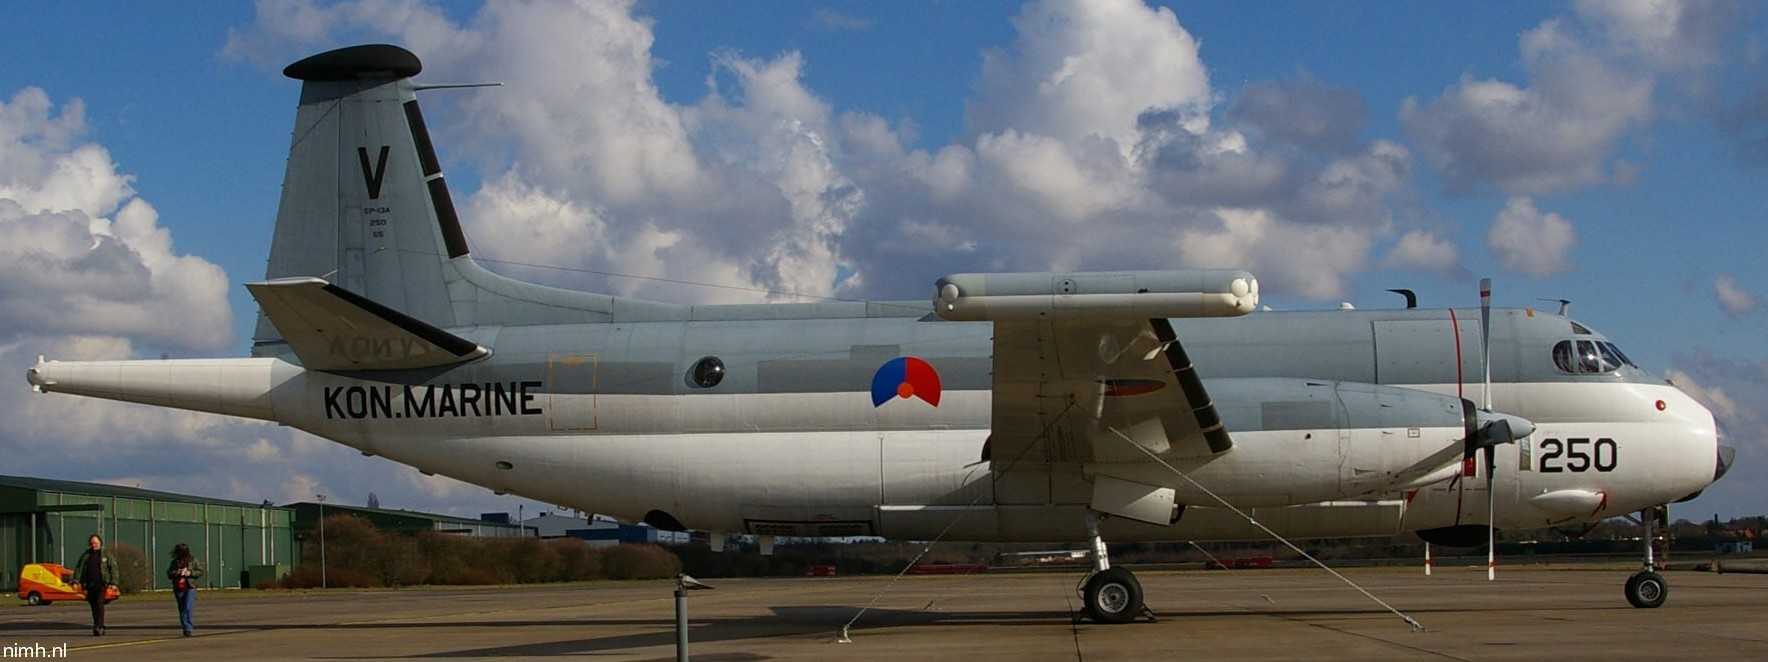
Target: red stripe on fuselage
{"x": 1455, "y": 324}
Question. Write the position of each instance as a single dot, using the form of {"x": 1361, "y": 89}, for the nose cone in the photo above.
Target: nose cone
{"x": 1486, "y": 428}
{"x": 36, "y": 375}
{"x": 1700, "y": 433}
{"x": 1519, "y": 427}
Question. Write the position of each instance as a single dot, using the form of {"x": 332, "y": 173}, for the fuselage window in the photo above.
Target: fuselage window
{"x": 1588, "y": 357}
{"x": 706, "y": 373}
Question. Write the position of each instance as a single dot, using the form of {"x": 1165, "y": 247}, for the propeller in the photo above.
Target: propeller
{"x": 1493, "y": 428}
{"x": 1491, "y": 439}
{"x": 1485, "y": 430}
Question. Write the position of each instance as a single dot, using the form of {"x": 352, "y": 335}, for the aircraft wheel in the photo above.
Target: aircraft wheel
{"x": 1647, "y": 590}
{"x": 1113, "y": 596}
{"x": 34, "y": 599}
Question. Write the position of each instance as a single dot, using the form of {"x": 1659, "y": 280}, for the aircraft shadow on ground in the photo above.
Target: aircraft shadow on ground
{"x": 822, "y": 621}
{"x": 787, "y": 621}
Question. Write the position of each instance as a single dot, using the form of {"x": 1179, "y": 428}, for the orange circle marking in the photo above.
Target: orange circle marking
{"x": 905, "y": 390}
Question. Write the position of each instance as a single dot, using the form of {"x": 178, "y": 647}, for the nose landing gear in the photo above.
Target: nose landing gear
{"x": 1647, "y": 589}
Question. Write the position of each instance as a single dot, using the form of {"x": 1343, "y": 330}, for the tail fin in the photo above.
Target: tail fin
{"x": 364, "y": 206}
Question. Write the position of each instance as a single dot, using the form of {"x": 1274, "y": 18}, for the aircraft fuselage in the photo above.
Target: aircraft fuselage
{"x": 791, "y": 440}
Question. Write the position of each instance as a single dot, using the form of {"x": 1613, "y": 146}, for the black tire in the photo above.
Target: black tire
{"x": 1647, "y": 590}
{"x": 1113, "y": 596}
{"x": 34, "y": 599}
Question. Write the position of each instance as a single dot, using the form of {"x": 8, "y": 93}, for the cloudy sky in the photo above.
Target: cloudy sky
{"x": 1609, "y": 153}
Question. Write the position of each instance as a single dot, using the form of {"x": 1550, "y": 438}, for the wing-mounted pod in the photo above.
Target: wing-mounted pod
{"x": 1095, "y": 295}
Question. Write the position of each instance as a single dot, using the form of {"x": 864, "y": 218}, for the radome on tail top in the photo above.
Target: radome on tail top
{"x": 1014, "y": 407}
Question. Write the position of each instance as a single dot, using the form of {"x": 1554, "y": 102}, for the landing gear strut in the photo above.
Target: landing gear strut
{"x": 1109, "y": 595}
{"x": 1647, "y": 589}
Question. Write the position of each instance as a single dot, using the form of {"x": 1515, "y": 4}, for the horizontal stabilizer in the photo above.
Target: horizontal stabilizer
{"x": 331, "y": 328}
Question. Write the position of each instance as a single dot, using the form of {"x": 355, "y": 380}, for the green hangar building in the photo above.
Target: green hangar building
{"x": 48, "y": 521}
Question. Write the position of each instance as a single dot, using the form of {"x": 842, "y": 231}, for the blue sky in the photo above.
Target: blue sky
{"x": 1608, "y": 153}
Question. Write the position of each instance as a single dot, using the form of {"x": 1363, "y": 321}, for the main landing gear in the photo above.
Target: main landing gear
{"x": 1647, "y": 589}
{"x": 1109, "y": 595}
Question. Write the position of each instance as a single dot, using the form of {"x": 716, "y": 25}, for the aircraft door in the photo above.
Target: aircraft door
{"x": 571, "y": 392}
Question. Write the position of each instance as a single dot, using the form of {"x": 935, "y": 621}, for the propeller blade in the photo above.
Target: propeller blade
{"x": 1485, "y": 337}
{"x": 1491, "y": 515}
{"x": 1498, "y": 432}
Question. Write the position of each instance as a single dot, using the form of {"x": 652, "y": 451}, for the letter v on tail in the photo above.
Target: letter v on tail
{"x": 372, "y": 175}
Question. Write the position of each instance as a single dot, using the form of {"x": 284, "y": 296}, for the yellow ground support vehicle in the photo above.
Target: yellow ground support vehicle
{"x": 42, "y": 583}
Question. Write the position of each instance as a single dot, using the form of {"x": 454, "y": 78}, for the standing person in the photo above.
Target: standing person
{"x": 184, "y": 571}
{"x": 97, "y": 573}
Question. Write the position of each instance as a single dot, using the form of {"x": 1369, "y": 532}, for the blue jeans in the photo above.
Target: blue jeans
{"x": 186, "y": 608}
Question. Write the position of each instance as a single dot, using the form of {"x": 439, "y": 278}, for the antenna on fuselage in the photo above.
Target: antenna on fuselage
{"x": 1565, "y": 305}
{"x": 1411, "y": 297}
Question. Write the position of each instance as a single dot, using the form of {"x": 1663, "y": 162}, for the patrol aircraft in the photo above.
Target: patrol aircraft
{"x": 1125, "y": 406}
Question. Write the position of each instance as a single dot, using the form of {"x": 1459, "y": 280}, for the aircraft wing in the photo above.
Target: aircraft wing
{"x": 331, "y": 328}
{"x": 1084, "y": 391}
{"x": 1088, "y": 371}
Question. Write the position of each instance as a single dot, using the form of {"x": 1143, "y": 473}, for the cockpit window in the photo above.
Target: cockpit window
{"x": 1589, "y": 357}
{"x": 1611, "y": 355}
{"x": 1580, "y": 329}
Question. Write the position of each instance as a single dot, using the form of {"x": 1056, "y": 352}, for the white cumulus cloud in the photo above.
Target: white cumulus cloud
{"x": 80, "y": 254}
{"x": 1420, "y": 249}
{"x": 1735, "y": 300}
{"x": 1530, "y": 242}
{"x": 1090, "y": 68}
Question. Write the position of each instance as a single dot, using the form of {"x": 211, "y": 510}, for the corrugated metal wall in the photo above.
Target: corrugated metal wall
{"x": 228, "y": 538}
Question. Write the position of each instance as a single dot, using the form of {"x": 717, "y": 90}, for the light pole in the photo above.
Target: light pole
{"x": 322, "y": 582}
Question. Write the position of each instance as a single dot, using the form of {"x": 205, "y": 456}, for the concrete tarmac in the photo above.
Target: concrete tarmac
{"x": 1530, "y": 613}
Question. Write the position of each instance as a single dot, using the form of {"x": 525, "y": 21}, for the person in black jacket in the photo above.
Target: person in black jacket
{"x": 184, "y": 571}
{"x": 97, "y": 573}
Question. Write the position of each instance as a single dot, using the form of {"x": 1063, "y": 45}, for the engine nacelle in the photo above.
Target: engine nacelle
{"x": 1093, "y": 295}
{"x": 1305, "y": 441}
{"x": 1383, "y": 436}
